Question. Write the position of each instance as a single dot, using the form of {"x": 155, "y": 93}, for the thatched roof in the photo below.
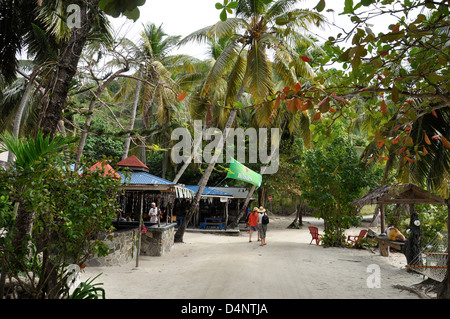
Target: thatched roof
{"x": 398, "y": 194}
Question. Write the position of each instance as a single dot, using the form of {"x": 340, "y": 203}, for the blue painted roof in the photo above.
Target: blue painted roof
{"x": 207, "y": 191}
{"x": 143, "y": 178}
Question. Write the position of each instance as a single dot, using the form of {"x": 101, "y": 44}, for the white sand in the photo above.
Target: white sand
{"x": 208, "y": 266}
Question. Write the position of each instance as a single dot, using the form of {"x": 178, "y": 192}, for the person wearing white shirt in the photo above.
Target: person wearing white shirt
{"x": 153, "y": 213}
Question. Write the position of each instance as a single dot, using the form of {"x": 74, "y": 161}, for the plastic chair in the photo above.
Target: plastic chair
{"x": 357, "y": 238}
{"x": 315, "y": 235}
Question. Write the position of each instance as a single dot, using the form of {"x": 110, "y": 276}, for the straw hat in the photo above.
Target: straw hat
{"x": 262, "y": 209}
{"x": 255, "y": 209}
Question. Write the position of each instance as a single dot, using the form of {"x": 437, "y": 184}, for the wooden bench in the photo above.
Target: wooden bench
{"x": 216, "y": 222}
{"x": 384, "y": 243}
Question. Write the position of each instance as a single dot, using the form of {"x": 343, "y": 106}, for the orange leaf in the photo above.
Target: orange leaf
{"x": 332, "y": 110}
{"x": 380, "y": 143}
{"x": 427, "y": 140}
{"x": 277, "y": 102}
{"x": 445, "y": 142}
{"x": 298, "y": 86}
{"x": 316, "y": 116}
{"x": 299, "y": 104}
{"x": 396, "y": 140}
{"x": 181, "y": 96}
{"x": 425, "y": 150}
{"x": 402, "y": 150}
{"x": 409, "y": 160}
{"x": 396, "y": 28}
{"x": 434, "y": 113}
{"x": 383, "y": 107}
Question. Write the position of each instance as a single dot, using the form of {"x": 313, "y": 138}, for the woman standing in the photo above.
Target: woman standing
{"x": 253, "y": 221}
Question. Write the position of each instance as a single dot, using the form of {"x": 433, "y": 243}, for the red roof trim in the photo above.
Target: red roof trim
{"x": 132, "y": 161}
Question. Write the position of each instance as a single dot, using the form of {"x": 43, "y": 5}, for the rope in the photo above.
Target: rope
{"x": 432, "y": 260}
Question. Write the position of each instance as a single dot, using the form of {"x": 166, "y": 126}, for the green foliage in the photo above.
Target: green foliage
{"x": 226, "y": 8}
{"x": 332, "y": 178}
{"x": 129, "y": 8}
{"x": 88, "y": 290}
{"x": 69, "y": 208}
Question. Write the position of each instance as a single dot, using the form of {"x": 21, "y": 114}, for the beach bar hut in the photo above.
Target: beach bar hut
{"x": 403, "y": 194}
{"x": 213, "y": 208}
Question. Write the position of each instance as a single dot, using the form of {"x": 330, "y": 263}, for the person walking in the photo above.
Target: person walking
{"x": 253, "y": 221}
{"x": 262, "y": 227}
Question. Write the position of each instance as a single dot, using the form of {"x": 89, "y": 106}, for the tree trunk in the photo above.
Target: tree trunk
{"x": 197, "y": 144}
{"x": 444, "y": 292}
{"x": 66, "y": 69}
{"x": 414, "y": 242}
{"x": 204, "y": 180}
{"x": 90, "y": 115}
{"x": 126, "y": 147}
{"x": 20, "y": 110}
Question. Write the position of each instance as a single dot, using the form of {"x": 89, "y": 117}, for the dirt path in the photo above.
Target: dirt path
{"x": 210, "y": 266}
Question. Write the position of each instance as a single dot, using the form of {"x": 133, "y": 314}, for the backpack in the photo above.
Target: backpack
{"x": 265, "y": 219}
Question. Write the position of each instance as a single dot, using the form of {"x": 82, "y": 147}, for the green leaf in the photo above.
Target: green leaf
{"x": 320, "y": 6}
{"x": 219, "y": 6}
{"x": 223, "y": 15}
{"x": 233, "y": 5}
{"x": 348, "y": 8}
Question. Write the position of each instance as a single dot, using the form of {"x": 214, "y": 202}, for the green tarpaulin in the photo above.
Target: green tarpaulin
{"x": 242, "y": 173}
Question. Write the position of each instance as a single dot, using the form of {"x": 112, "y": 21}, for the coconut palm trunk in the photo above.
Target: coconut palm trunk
{"x": 66, "y": 70}
{"x": 204, "y": 180}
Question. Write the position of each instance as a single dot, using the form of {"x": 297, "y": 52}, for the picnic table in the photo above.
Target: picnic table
{"x": 216, "y": 222}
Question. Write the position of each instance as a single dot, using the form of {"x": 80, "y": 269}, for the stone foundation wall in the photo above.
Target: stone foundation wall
{"x": 157, "y": 241}
{"x": 122, "y": 245}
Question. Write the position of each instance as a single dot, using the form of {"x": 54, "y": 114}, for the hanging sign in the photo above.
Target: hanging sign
{"x": 242, "y": 173}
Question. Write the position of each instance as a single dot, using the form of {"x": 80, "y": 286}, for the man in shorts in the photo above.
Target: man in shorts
{"x": 253, "y": 221}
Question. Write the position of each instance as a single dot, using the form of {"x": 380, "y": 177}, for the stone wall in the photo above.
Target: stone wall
{"x": 122, "y": 245}
{"x": 157, "y": 240}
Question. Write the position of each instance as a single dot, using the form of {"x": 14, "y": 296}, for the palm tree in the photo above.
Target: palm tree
{"x": 245, "y": 62}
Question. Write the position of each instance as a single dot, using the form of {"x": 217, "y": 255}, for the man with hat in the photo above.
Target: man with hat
{"x": 253, "y": 221}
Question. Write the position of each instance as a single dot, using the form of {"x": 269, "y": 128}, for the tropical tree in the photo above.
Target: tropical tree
{"x": 403, "y": 69}
{"x": 258, "y": 27}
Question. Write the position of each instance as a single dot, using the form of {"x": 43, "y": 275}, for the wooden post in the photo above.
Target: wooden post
{"x": 382, "y": 219}
{"x": 226, "y": 214}
{"x": 140, "y": 230}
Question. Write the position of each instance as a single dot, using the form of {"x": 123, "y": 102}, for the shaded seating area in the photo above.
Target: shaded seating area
{"x": 401, "y": 194}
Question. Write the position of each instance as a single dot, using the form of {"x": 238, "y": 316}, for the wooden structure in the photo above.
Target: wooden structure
{"x": 213, "y": 208}
{"x": 406, "y": 194}
{"x": 140, "y": 189}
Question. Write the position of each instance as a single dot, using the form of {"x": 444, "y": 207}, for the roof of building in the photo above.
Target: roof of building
{"x": 108, "y": 170}
{"x": 132, "y": 161}
{"x": 143, "y": 178}
{"x": 208, "y": 191}
{"x": 398, "y": 194}
{"x": 236, "y": 192}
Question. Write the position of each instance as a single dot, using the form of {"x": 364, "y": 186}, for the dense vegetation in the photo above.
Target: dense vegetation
{"x": 362, "y": 108}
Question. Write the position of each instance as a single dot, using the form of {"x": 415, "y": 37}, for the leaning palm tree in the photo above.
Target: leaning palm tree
{"x": 258, "y": 27}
